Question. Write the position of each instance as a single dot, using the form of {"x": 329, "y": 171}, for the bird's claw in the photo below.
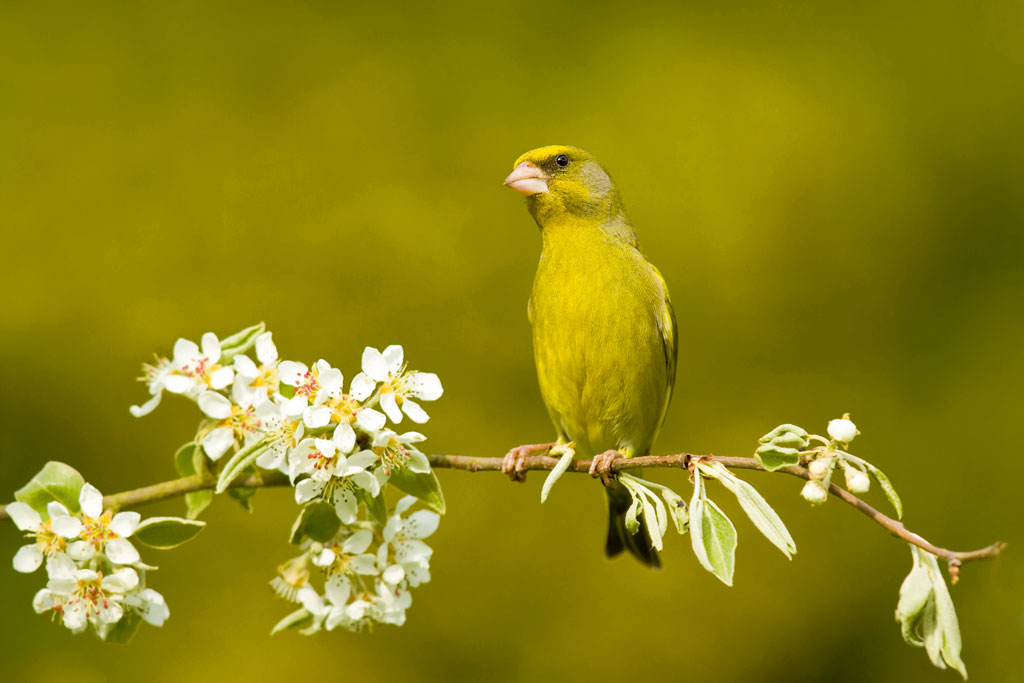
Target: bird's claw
{"x": 601, "y": 466}
{"x": 515, "y": 460}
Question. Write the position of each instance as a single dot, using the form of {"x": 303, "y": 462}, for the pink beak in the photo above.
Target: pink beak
{"x": 527, "y": 179}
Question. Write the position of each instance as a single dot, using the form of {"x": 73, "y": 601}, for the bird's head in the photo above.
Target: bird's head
{"x": 564, "y": 183}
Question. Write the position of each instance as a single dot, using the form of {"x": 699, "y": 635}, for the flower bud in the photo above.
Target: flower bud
{"x": 857, "y": 481}
{"x": 842, "y": 430}
{"x": 819, "y": 468}
{"x": 814, "y": 493}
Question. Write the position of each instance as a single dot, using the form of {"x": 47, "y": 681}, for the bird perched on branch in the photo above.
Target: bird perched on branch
{"x": 604, "y": 333}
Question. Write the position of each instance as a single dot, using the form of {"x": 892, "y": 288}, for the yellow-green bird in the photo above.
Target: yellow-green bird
{"x": 604, "y": 332}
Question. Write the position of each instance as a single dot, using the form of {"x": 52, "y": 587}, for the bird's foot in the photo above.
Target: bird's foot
{"x": 515, "y": 459}
{"x": 601, "y": 466}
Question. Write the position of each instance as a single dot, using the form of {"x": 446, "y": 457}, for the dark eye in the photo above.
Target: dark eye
{"x": 562, "y": 160}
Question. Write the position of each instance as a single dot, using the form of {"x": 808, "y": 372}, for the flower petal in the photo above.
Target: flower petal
{"x": 80, "y": 551}
{"x": 184, "y": 351}
{"x": 344, "y": 438}
{"x": 211, "y": 346}
{"x": 28, "y": 558}
{"x": 244, "y": 367}
{"x": 364, "y": 564}
{"x": 221, "y": 377}
{"x": 154, "y": 609}
{"x": 215, "y": 405}
{"x": 91, "y": 501}
{"x": 394, "y": 574}
{"x": 362, "y": 386}
{"x": 308, "y": 489}
{"x": 393, "y": 356}
{"x": 23, "y": 516}
{"x": 374, "y": 364}
{"x": 121, "y": 551}
{"x": 124, "y": 524}
{"x": 414, "y": 411}
{"x": 390, "y": 407}
{"x": 66, "y": 526}
{"x": 337, "y": 588}
{"x": 266, "y": 351}
{"x": 147, "y": 407}
{"x": 370, "y": 420}
{"x": 217, "y": 442}
{"x": 421, "y": 524}
{"x": 425, "y": 385}
{"x": 292, "y": 372}
{"x": 358, "y": 542}
{"x": 178, "y": 384}
{"x": 331, "y": 382}
{"x": 315, "y": 417}
{"x": 345, "y": 505}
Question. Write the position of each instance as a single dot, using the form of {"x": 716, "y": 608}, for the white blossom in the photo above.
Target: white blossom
{"x": 196, "y": 369}
{"x": 398, "y": 385}
{"x": 842, "y": 430}
{"x": 49, "y": 538}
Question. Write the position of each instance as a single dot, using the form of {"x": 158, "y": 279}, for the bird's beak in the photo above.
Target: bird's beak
{"x": 527, "y": 179}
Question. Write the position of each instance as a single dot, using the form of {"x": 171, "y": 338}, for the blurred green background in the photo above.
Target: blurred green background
{"x": 833, "y": 192}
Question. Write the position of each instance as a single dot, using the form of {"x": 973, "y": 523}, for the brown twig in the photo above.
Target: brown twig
{"x": 179, "y": 487}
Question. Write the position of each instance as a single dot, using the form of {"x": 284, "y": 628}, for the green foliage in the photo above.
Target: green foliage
{"x": 712, "y": 535}
{"x": 55, "y": 482}
{"x": 422, "y": 485}
{"x": 757, "y": 508}
{"x": 190, "y": 460}
{"x": 238, "y": 463}
{"x": 926, "y": 613}
{"x": 167, "y": 532}
{"x": 241, "y": 341}
{"x": 317, "y": 521}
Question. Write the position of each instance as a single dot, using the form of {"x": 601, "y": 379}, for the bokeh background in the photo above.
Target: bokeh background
{"x": 833, "y": 192}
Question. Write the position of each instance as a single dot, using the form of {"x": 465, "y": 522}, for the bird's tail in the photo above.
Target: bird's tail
{"x": 619, "y": 538}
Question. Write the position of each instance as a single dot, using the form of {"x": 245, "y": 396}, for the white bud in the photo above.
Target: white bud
{"x": 842, "y": 430}
{"x": 857, "y": 481}
{"x": 814, "y": 493}
{"x": 818, "y": 468}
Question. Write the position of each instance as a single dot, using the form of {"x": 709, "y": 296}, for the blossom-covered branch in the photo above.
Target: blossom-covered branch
{"x": 184, "y": 485}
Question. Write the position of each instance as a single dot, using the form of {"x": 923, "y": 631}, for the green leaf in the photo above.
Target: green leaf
{"x": 915, "y": 593}
{"x": 240, "y": 342}
{"x": 676, "y": 509}
{"x": 122, "y": 631}
{"x": 424, "y": 486}
{"x": 238, "y": 462}
{"x": 167, "y": 532}
{"x": 190, "y": 460}
{"x": 757, "y": 508}
{"x": 297, "y": 619}
{"x": 783, "y": 431}
{"x": 890, "y": 491}
{"x": 56, "y": 481}
{"x": 712, "y": 535}
{"x": 243, "y": 495}
{"x": 773, "y": 457}
{"x": 318, "y": 521}
{"x": 558, "y": 471}
{"x": 376, "y": 505}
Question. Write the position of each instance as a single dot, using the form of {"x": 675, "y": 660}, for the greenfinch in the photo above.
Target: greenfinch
{"x": 604, "y": 332}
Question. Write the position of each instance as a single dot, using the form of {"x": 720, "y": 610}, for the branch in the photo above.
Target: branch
{"x": 179, "y": 487}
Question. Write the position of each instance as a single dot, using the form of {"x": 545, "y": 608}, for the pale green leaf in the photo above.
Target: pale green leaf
{"x": 297, "y": 619}
{"x": 422, "y": 485}
{"x": 676, "y": 509}
{"x": 122, "y": 631}
{"x": 243, "y": 495}
{"x": 55, "y": 482}
{"x": 757, "y": 508}
{"x": 318, "y": 521}
{"x": 558, "y": 471}
{"x": 240, "y": 342}
{"x": 773, "y": 457}
{"x": 712, "y": 535}
{"x": 890, "y": 491}
{"x": 167, "y": 532}
{"x": 190, "y": 460}
{"x": 239, "y": 462}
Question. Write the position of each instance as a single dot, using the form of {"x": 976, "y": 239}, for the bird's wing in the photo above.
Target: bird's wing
{"x": 669, "y": 342}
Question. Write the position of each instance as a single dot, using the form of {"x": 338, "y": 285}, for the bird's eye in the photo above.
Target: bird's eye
{"x": 562, "y": 160}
